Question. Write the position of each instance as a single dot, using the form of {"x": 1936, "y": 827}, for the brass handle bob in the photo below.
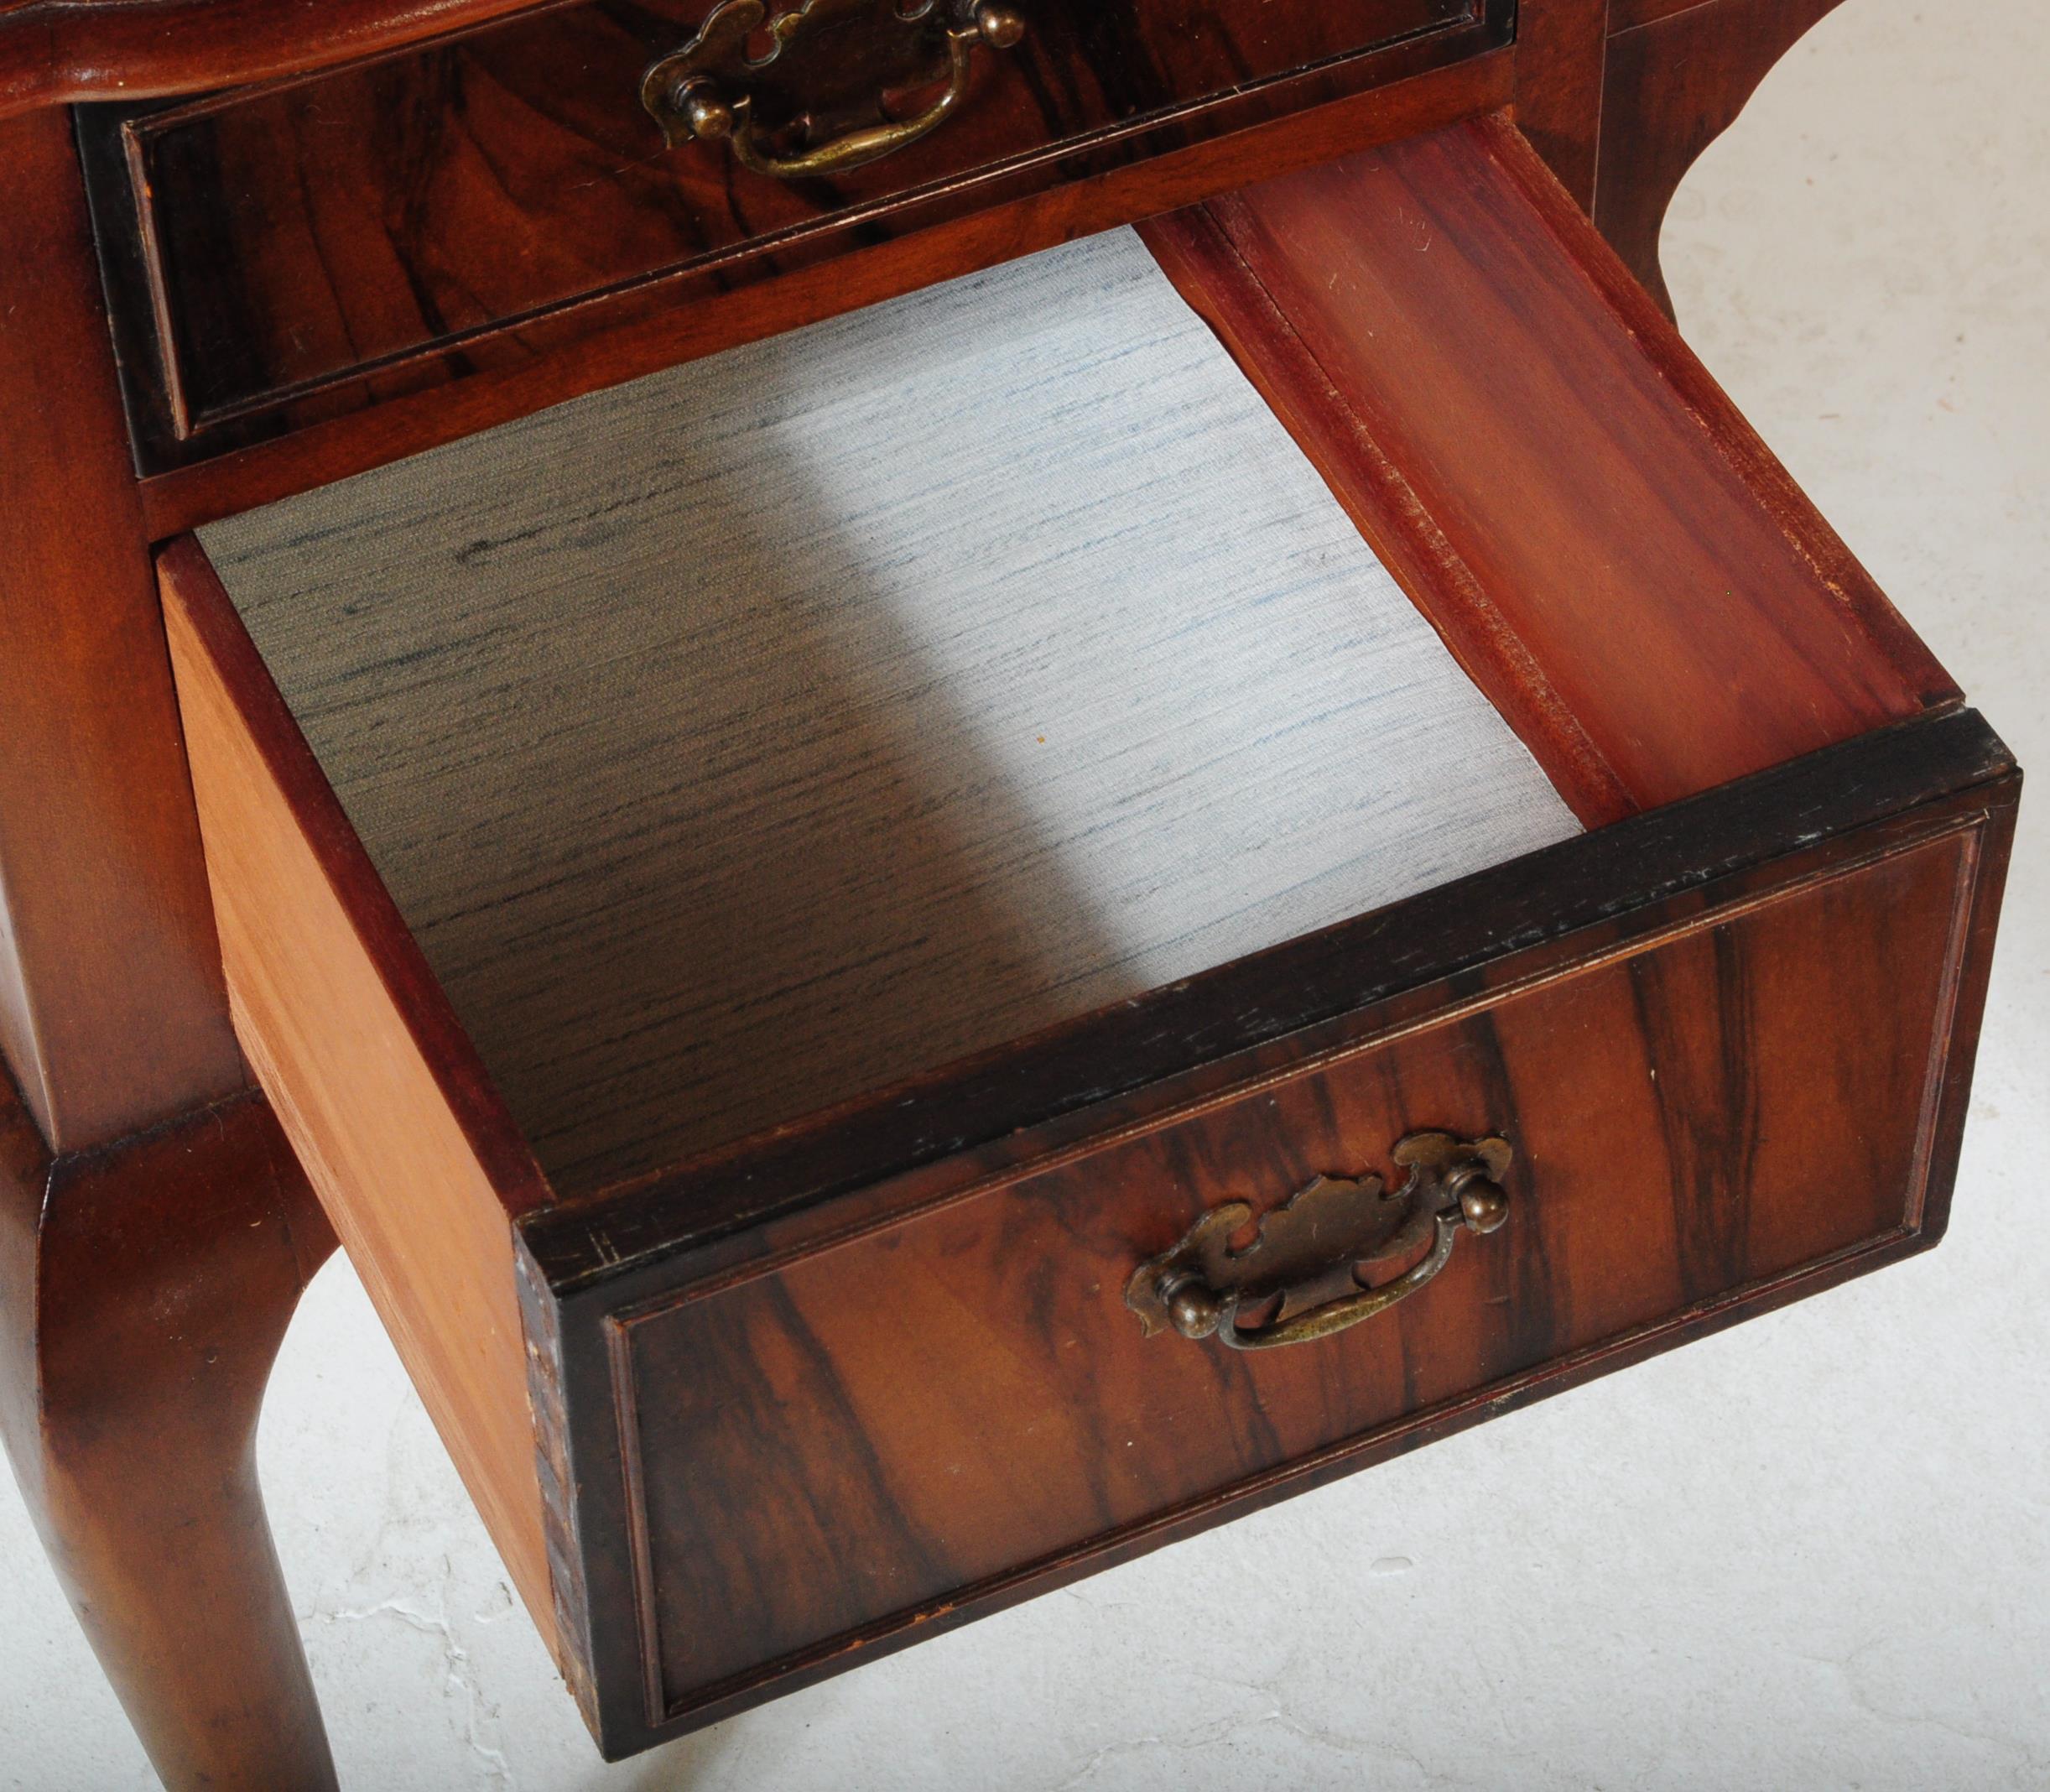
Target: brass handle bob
{"x": 824, "y": 80}
{"x": 1305, "y": 1259}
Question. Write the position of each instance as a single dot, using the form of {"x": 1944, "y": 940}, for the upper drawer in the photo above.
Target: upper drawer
{"x": 279, "y": 242}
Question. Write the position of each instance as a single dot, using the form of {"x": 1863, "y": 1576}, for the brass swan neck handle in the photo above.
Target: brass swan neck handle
{"x": 829, "y": 69}
{"x": 1303, "y": 1260}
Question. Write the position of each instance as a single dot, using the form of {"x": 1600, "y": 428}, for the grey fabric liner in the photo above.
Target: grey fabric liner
{"x": 746, "y": 738}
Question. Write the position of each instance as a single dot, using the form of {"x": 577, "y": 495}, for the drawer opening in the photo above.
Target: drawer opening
{"x": 754, "y": 737}
{"x": 743, "y": 741}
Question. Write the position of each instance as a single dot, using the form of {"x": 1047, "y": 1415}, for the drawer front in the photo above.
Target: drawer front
{"x": 830, "y": 1450}
{"x": 364, "y": 222}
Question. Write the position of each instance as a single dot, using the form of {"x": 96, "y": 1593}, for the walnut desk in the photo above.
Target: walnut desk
{"x": 1432, "y": 874}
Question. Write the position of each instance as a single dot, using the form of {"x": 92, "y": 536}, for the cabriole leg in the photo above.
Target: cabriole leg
{"x": 144, "y": 1290}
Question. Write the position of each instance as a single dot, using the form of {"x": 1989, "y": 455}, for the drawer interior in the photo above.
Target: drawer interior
{"x": 760, "y": 734}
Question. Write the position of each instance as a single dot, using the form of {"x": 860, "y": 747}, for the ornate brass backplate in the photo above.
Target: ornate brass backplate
{"x": 1305, "y": 1258}
{"x": 807, "y": 91}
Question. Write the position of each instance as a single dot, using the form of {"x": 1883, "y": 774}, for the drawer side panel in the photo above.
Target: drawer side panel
{"x": 373, "y": 1085}
{"x": 1563, "y": 488}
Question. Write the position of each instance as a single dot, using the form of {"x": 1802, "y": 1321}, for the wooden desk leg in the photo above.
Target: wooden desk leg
{"x": 1674, "y": 83}
{"x": 154, "y": 1232}
{"x": 144, "y": 1293}
{"x": 1622, "y": 96}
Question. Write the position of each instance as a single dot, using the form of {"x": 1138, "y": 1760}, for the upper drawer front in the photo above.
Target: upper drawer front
{"x": 302, "y": 236}
{"x": 883, "y": 1428}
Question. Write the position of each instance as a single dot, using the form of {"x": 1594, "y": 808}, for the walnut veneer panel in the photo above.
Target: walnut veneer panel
{"x": 742, "y": 740}
{"x": 1704, "y": 1113}
{"x": 650, "y": 329}
{"x": 379, "y": 226}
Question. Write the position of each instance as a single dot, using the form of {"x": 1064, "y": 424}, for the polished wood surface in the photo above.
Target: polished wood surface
{"x": 363, "y": 234}
{"x": 1431, "y": 319}
{"x": 1727, "y": 933}
{"x": 1648, "y": 111}
{"x": 375, "y": 1085}
{"x": 1562, "y": 69}
{"x": 303, "y": 252}
{"x": 627, "y": 338}
{"x": 56, "y": 53}
{"x": 113, "y": 1016}
{"x": 306, "y": 237}
{"x": 766, "y": 1425}
{"x": 1797, "y": 957}
{"x": 143, "y": 1294}
{"x": 1730, "y": 959}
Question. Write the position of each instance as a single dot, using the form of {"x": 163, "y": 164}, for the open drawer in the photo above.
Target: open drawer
{"x": 807, "y": 917}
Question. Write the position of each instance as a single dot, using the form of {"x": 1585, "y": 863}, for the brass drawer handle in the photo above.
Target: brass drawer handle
{"x": 824, "y": 77}
{"x": 1306, "y": 1255}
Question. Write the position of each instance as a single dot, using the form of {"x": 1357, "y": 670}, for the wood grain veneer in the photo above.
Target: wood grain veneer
{"x": 1615, "y": 556}
{"x": 852, "y": 259}
{"x": 1683, "y": 1019}
{"x": 482, "y": 201}
{"x": 333, "y": 231}
{"x": 766, "y": 1417}
{"x": 374, "y": 1083}
{"x": 1730, "y": 941}
{"x": 1800, "y": 958}
{"x": 57, "y": 53}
